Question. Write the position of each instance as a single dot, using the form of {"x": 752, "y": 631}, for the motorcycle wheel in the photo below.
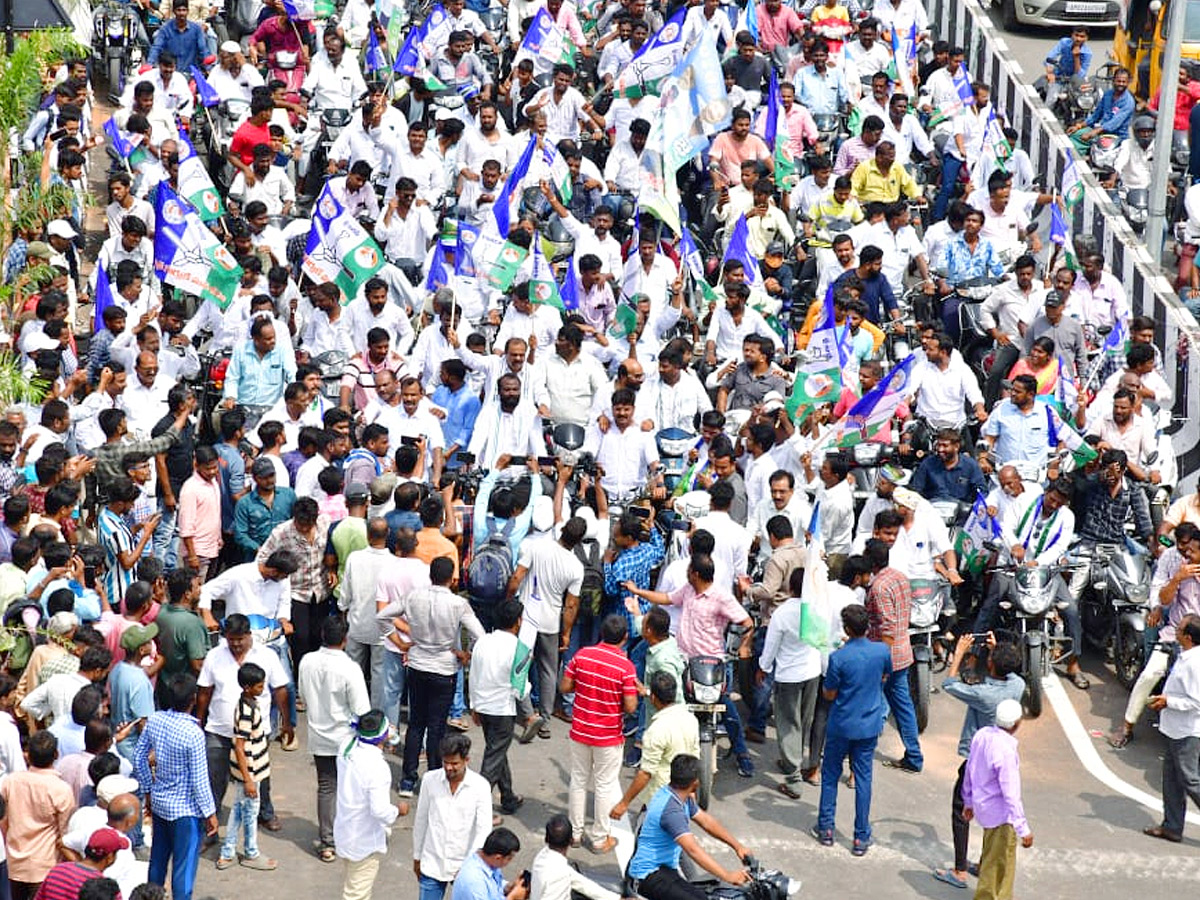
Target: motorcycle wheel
{"x": 708, "y": 771}
{"x": 1128, "y": 655}
{"x": 918, "y": 686}
{"x": 1035, "y": 663}
{"x": 116, "y": 67}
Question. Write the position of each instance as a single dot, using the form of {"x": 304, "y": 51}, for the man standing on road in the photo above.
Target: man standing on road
{"x": 889, "y": 600}
{"x": 606, "y": 690}
{"x": 360, "y": 586}
{"x": 454, "y": 817}
{"x": 1003, "y": 682}
{"x": 854, "y": 685}
{"x": 180, "y": 796}
{"x": 365, "y": 813}
{"x": 334, "y": 692}
{"x": 499, "y": 677}
{"x": 550, "y": 577}
{"x": 992, "y": 794}
{"x": 1179, "y": 722}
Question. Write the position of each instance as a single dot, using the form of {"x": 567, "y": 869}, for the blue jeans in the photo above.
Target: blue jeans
{"x": 951, "y": 166}
{"x": 637, "y": 656}
{"x": 861, "y": 753}
{"x": 733, "y": 719}
{"x": 393, "y": 686}
{"x": 760, "y": 700}
{"x": 243, "y": 816}
{"x": 176, "y": 842}
{"x": 280, "y": 646}
{"x": 899, "y": 698}
{"x": 166, "y": 547}
{"x": 431, "y": 888}
{"x": 585, "y": 633}
{"x": 458, "y": 706}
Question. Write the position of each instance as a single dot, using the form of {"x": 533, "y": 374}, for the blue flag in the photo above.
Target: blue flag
{"x": 572, "y": 290}
{"x": 408, "y": 60}
{"x": 438, "y": 276}
{"x": 1114, "y": 343}
{"x": 771, "y": 123}
{"x": 912, "y": 41}
{"x": 208, "y": 94}
{"x": 503, "y": 207}
{"x": 374, "y": 58}
{"x": 876, "y": 407}
{"x": 121, "y": 144}
{"x": 737, "y": 248}
{"x": 690, "y": 254}
{"x": 1058, "y": 225}
{"x": 326, "y": 211}
{"x": 103, "y": 300}
{"x": 300, "y": 9}
{"x": 464, "y": 250}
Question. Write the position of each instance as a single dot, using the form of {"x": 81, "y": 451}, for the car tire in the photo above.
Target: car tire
{"x": 1008, "y": 15}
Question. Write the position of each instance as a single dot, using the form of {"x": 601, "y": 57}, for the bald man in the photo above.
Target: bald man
{"x": 124, "y": 814}
{"x": 146, "y": 395}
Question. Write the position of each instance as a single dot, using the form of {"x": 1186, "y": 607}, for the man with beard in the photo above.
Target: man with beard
{"x": 1122, "y": 430}
{"x": 493, "y": 367}
{"x": 948, "y": 474}
{"x": 675, "y": 399}
{"x": 627, "y": 454}
{"x": 488, "y": 142}
{"x": 507, "y": 428}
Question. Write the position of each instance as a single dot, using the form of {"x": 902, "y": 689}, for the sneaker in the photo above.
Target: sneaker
{"x": 745, "y": 766}
{"x": 824, "y": 838}
{"x": 633, "y": 758}
{"x": 407, "y": 788}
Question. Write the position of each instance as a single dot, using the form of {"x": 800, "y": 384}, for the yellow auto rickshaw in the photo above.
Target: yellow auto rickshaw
{"x": 1141, "y": 38}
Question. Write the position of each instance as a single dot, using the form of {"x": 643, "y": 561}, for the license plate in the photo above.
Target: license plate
{"x": 1087, "y": 9}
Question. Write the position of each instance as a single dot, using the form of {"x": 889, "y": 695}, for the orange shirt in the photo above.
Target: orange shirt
{"x": 38, "y": 804}
{"x": 431, "y": 544}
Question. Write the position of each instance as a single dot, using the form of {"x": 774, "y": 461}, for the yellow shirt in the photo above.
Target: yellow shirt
{"x": 672, "y": 730}
{"x": 868, "y": 183}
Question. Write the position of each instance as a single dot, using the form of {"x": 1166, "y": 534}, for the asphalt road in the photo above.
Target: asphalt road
{"x": 1088, "y": 839}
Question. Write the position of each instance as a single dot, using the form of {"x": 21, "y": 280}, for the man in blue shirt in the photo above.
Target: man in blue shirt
{"x": 481, "y": 876}
{"x": 184, "y": 39}
{"x": 1070, "y": 59}
{"x": 462, "y": 407}
{"x": 820, "y": 89}
{"x": 1111, "y": 115}
{"x": 877, "y": 292}
{"x": 666, "y": 834}
{"x": 948, "y": 474}
{"x": 854, "y": 685}
{"x": 258, "y": 370}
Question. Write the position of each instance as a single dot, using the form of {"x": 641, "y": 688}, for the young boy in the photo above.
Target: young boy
{"x": 249, "y": 764}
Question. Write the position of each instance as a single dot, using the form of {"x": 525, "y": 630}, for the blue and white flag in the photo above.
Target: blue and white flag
{"x": 196, "y": 184}
{"x": 438, "y": 276}
{"x": 188, "y": 255}
{"x": 408, "y": 60}
{"x": 572, "y": 291}
{"x": 464, "y": 250}
{"x": 339, "y": 248}
{"x": 123, "y": 143}
{"x": 502, "y": 210}
{"x": 545, "y": 44}
{"x": 374, "y": 59}
{"x": 876, "y": 407}
{"x": 207, "y": 93}
{"x": 103, "y": 300}
{"x": 300, "y": 9}
{"x": 435, "y": 31}
{"x": 653, "y": 61}
{"x": 737, "y": 248}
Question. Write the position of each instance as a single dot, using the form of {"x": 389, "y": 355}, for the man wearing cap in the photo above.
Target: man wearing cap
{"x": 991, "y": 793}
{"x": 259, "y": 511}
{"x": 232, "y": 78}
{"x": 65, "y": 880}
{"x": 1066, "y": 332}
{"x": 131, "y": 696}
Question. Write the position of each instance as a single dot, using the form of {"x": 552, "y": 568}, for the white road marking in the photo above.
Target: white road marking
{"x": 1085, "y": 750}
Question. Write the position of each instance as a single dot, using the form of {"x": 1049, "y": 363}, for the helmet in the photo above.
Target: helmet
{"x": 1144, "y": 123}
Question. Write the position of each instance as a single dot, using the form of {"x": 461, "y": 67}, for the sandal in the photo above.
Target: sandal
{"x": 1079, "y": 680}
{"x": 788, "y": 791}
{"x": 1119, "y": 740}
{"x": 327, "y": 854}
{"x": 947, "y": 876}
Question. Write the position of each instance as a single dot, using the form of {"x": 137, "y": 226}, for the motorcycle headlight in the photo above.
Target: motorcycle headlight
{"x": 116, "y": 28}
{"x": 707, "y": 693}
{"x": 1034, "y": 604}
{"x": 1087, "y": 102}
{"x": 1136, "y": 214}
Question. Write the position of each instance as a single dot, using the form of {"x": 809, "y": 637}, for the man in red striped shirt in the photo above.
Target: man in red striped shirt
{"x": 65, "y": 879}
{"x": 606, "y": 690}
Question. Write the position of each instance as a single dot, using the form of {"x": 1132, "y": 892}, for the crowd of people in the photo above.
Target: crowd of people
{"x": 411, "y": 520}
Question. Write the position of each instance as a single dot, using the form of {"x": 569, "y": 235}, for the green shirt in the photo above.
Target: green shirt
{"x": 182, "y": 637}
{"x": 665, "y": 656}
{"x": 345, "y": 537}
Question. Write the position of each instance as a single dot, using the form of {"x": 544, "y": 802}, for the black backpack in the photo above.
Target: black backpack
{"x": 591, "y": 593}
{"x": 490, "y": 570}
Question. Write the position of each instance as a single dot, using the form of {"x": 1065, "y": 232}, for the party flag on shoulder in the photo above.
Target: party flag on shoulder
{"x": 1072, "y": 183}
{"x": 571, "y": 291}
{"x": 464, "y": 250}
{"x": 502, "y": 210}
{"x": 980, "y": 529}
{"x": 123, "y": 143}
{"x": 408, "y": 60}
{"x": 300, "y": 9}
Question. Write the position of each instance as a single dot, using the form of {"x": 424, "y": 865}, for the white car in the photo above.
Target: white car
{"x": 1093, "y": 13}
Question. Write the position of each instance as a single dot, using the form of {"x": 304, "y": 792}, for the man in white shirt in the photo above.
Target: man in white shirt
{"x": 553, "y": 876}
{"x": 365, "y": 815}
{"x": 360, "y": 587}
{"x": 372, "y": 309}
{"x": 675, "y": 399}
{"x": 732, "y": 541}
{"x": 730, "y": 326}
{"x": 507, "y": 428}
{"x": 900, "y": 246}
{"x": 407, "y": 227}
{"x": 943, "y": 388}
{"x": 454, "y": 816}
{"x": 272, "y": 186}
{"x": 329, "y": 327}
{"x": 568, "y": 380}
{"x": 786, "y": 501}
{"x": 835, "y": 511}
{"x": 537, "y": 325}
{"x": 232, "y": 78}
{"x": 145, "y": 396}
{"x": 564, "y": 108}
{"x": 410, "y": 418}
{"x": 334, "y": 692}
{"x": 627, "y": 455}
{"x": 419, "y": 162}
{"x": 623, "y": 170}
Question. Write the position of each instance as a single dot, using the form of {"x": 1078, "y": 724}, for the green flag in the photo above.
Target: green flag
{"x": 543, "y": 288}
{"x": 624, "y": 322}
{"x": 785, "y": 166}
{"x": 507, "y": 264}
{"x": 518, "y": 676}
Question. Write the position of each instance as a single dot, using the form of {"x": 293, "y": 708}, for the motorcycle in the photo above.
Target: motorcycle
{"x": 673, "y": 447}
{"x": 1113, "y": 605}
{"x": 704, "y": 691}
{"x": 332, "y": 123}
{"x": 764, "y": 884}
{"x": 115, "y": 40}
{"x": 1103, "y": 155}
{"x": 930, "y": 597}
{"x": 1027, "y": 616}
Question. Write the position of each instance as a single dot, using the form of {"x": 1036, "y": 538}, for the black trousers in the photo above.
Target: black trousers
{"x": 306, "y": 630}
{"x": 429, "y": 699}
{"x": 1006, "y": 358}
{"x": 959, "y": 827}
{"x": 497, "y": 737}
{"x": 665, "y": 883}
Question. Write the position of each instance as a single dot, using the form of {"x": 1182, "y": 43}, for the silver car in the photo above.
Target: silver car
{"x": 1096, "y": 13}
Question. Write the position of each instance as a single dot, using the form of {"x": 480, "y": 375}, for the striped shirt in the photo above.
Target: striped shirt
{"x": 64, "y": 881}
{"x": 248, "y": 725}
{"x": 603, "y": 677}
{"x": 115, "y": 538}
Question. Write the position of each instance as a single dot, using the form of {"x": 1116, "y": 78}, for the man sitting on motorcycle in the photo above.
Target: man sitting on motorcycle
{"x": 941, "y": 387}
{"x": 948, "y": 474}
{"x": 1068, "y": 61}
{"x": 1038, "y": 533}
{"x": 1021, "y": 428}
{"x": 1122, "y": 429}
{"x": 1111, "y": 115}
{"x": 1132, "y": 165}
{"x": 922, "y": 542}
{"x": 666, "y": 834}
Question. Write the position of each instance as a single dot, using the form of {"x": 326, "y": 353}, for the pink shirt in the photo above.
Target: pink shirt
{"x": 729, "y": 154}
{"x": 200, "y": 515}
{"x": 776, "y": 30}
{"x": 702, "y": 624}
